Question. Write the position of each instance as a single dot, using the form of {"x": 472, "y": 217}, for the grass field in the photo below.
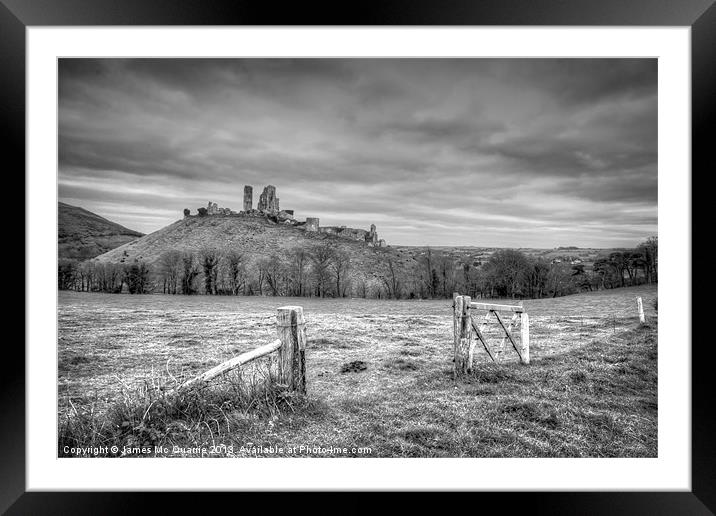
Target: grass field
{"x": 591, "y": 390}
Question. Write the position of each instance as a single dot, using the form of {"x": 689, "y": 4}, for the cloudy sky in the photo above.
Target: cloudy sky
{"x": 485, "y": 152}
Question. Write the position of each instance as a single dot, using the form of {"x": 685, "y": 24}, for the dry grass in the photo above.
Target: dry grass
{"x": 590, "y": 390}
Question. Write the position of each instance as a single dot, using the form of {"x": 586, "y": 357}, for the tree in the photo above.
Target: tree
{"x": 618, "y": 262}
{"x": 321, "y": 257}
{"x": 446, "y": 273}
{"x": 66, "y": 274}
{"x": 537, "y": 278}
{"x": 390, "y": 277}
{"x": 271, "y": 270}
{"x": 605, "y": 273}
{"x": 650, "y": 251}
{"x": 236, "y": 268}
{"x": 429, "y": 274}
{"x": 340, "y": 266}
{"x": 362, "y": 287}
{"x": 580, "y": 277}
{"x": 210, "y": 263}
{"x": 559, "y": 279}
{"x": 190, "y": 272}
{"x": 203, "y": 212}
{"x": 170, "y": 266}
{"x": 508, "y": 271}
{"x": 86, "y": 275}
{"x": 136, "y": 276}
{"x": 187, "y": 212}
{"x": 109, "y": 277}
{"x": 298, "y": 262}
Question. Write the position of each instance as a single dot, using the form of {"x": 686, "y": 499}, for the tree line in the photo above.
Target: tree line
{"x": 328, "y": 271}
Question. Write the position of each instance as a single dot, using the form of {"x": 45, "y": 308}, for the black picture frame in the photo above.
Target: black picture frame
{"x": 700, "y": 15}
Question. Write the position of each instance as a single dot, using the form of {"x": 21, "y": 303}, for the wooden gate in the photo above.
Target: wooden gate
{"x": 466, "y": 327}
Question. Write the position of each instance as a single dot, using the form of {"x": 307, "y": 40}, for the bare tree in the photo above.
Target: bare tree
{"x": 272, "y": 271}
{"x": 236, "y": 268}
{"x": 362, "y": 287}
{"x": 86, "y": 276}
{"x": 340, "y": 265}
{"x": 298, "y": 263}
{"x": 428, "y": 272}
{"x": 390, "y": 277}
{"x": 210, "y": 263}
{"x": 560, "y": 279}
{"x": 321, "y": 258}
{"x": 190, "y": 272}
{"x": 67, "y": 274}
{"x": 109, "y": 277}
{"x": 170, "y": 266}
{"x": 446, "y": 270}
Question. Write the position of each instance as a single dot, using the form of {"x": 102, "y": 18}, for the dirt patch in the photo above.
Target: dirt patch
{"x": 354, "y": 367}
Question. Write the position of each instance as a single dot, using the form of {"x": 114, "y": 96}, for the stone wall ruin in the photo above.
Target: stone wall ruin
{"x": 268, "y": 208}
{"x": 312, "y": 224}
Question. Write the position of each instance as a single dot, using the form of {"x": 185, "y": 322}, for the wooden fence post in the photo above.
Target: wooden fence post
{"x": 463, "y": 335}
{"x": 466, "y": 334}
{"x": 525, "y": 337}
{"x": 457, "y": 328}
{"x": 292, "y": 353}
{"x": 640, "y": 307}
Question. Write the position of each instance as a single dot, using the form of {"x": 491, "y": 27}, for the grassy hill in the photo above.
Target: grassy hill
{"x": 83, "y": 234}
{"x": 257, "y": 238}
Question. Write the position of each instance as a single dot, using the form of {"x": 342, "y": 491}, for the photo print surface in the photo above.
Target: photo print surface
{"x": 357, "y": 257}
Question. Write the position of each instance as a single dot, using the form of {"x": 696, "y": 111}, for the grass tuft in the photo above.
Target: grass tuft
{"x": 149, "y": 415}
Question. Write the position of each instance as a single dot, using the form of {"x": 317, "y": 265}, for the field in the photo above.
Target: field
{"x": 590, "y": 390}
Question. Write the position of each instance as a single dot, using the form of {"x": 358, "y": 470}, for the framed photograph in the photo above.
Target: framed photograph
{"x": 414, "y": 250}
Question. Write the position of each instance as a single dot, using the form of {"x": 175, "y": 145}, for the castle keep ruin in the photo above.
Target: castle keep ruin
{"x": 268, "y": 200}
{"x": 268, "y": 207}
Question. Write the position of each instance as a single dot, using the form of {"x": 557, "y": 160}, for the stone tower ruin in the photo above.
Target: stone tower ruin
{"x": 248, "y": 198}
{"x": 268, "y": 201}
{"x": 312, "y": 224}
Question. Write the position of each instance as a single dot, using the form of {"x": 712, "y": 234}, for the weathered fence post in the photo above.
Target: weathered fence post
{"x": 466, "y": 334}
{"x": 463, "y": 335}
{"x": 457, "y": 325}
{"x": 640, "y": 307}
{"x": 525, "y": 337}
{"x": 292, "y": 353}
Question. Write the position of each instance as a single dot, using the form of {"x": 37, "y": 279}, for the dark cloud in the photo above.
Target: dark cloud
{"x": 513, "y": 152}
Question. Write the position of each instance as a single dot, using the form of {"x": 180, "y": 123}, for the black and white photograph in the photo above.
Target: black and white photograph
{"x": 357, "y": 257}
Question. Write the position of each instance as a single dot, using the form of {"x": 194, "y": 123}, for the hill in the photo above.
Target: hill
{"x": 82, "y": 234}
{"x": 257, "y": 238}
{"x": 476, "y": 256}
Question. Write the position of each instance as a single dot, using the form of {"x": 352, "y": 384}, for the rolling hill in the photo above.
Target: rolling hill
{"x": 257, "y": 238}
{"x": 82, "y": 234}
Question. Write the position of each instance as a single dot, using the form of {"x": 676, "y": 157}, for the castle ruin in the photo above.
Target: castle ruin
{"x": 248, "y": 198}
{"x": 312, "y": 224}
{"x": 268, "y": 207}
{"x": 268, "y": 201}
